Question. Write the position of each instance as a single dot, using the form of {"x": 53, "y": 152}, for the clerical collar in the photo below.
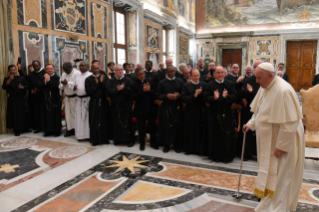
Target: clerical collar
{"x": 119, "y": 78}
{"x": 38, "y": 71}
{"x": 271, "y": 83}
{"x": 96, "y": 75}
{"x": 149, "y": 71}
{"x": 52, "y": 75}
{"x": 248, "y": 76}
{"x": 219, "y": 82}
{"x": 195, "y": 83}
{"x": 170, "y": 79}
{"x": 201, "y": 69}
{"x": 233, "y": 75}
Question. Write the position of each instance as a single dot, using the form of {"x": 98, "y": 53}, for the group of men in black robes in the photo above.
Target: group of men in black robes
{"x": 34, "y": 100}
{"x": 193, "y": 107}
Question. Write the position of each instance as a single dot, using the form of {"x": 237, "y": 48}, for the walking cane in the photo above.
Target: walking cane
{"x": 237, "y": 195}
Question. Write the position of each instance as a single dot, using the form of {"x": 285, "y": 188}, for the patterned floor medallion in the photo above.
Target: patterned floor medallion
{"x": 23, "y": 158}
{"x": 131, "y": 182}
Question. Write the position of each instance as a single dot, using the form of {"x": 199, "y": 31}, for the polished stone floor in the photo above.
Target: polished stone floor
{"x": 61, "y": 174}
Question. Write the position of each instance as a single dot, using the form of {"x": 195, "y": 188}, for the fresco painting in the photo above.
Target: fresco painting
{"x": 221, "y": 13}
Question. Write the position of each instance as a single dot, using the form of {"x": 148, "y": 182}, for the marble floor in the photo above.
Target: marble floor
{"x": 61, "y": 174}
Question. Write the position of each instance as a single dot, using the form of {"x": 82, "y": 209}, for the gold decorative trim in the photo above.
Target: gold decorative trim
{"x": 262, "y": 194}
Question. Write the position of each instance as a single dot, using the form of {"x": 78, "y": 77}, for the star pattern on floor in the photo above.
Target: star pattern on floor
{"x": 126, "y": 163}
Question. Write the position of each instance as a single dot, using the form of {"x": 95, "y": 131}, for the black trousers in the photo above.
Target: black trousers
{"x": 141, "y": 126}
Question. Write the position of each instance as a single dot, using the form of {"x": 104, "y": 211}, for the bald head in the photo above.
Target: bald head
{"x": 219, "y": 73}
{"x": 139, "y": 65}
{"x": 169, "y": 62}
{"x": 280, "y": 74}
{"x": 195, "y": 75}
{"x": 95, "y": 69}
{"x": 256, "y": 63}
{"x": 161, "y": 65}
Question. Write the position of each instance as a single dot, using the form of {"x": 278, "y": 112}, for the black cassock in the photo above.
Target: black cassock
{"x": 221, "y": 135}
{"x": 17, "y": 109}
{"x": 170, "y": 129}
{"x": 51, "y": 105}
{"x": 145, "y": 109}
{"x": 193, "y": 118}
{"x": 98, "y": 109}
{"x": 237, "y": 86}
{"x": 121, "y": 110}
{"x": 250, "y": 145}
{"x": 35, "y": 100}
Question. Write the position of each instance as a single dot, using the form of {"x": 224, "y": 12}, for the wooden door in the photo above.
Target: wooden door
{"x": 301, "y": 63}
{"x": 231, "y": 56}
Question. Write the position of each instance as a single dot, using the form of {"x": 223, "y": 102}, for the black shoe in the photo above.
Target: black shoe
{"x": 142, "y": 147}
{"x": 166, "y": 149}
{"x": 177, "y": 150}
{"x": 57, "y": 134}
{"x": 37, "y": 131}
{"x": 154, "y": 146}
{"x": 186, "y": 153}
{"x": 46, "y": 134}
{"x": 245, "y": 159}
{"x": 94, "y": 144}
{"x": 17, "y": 133}
{"x": 27, "y": 131}
{"x": 131, "y": 144}
{"x": 69, "y": 133}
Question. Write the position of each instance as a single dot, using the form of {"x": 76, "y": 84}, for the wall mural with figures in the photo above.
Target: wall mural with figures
{"x": 58, "y": 31}
{"x": 241, "y": 15}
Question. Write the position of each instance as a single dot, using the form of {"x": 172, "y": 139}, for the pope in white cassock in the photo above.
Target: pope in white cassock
{"x": 280, "y": 142}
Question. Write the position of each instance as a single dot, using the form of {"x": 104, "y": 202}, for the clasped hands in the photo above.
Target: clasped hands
{"x": 198, "y": 92}
{"x": 173, "y": 96}
{"x": 216, "y": 94}
{"x": 120, "y": 87}
{"x": 101, "y": 79}
{"x": 146, "y": 87}
{"x": 46, "y": 78}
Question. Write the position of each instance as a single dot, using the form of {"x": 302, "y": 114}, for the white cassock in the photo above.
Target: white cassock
{"x": 277, "y": 121}
{"x": 70, "y": 97}
{"x": 82, "y": 128}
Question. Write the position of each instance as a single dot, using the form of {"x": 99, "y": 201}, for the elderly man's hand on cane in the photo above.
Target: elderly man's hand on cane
{"x": 245, "y": 128}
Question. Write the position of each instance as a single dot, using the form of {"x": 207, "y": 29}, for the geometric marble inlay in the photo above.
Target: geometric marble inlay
{"x": 19, "y": 143}
{"x": 146, "y": 192}
{"x": 160, "y": 185}
{"x": 68, "y": 152}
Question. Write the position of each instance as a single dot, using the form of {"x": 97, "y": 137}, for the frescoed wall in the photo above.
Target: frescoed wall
{"x": 184, "y": 9}
{"x": 244, "y": 15}
{"x": 58, "y": 31}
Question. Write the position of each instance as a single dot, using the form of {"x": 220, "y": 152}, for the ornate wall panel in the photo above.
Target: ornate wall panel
{"x": 153, "y": 41}
{"x": 70, "y": 16}
{"x": 132, "y": 17}
{"x": 100, "y": 53}
{"x": 264, "y": 48}
{"x": 32, "y": 13}
{"x": 183, "y": 47}
{"x": 33, "y": 46}
{"x": 66, "y": 50}
{"x": 132, "y": 56}
{"x": 99, "y": 21}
